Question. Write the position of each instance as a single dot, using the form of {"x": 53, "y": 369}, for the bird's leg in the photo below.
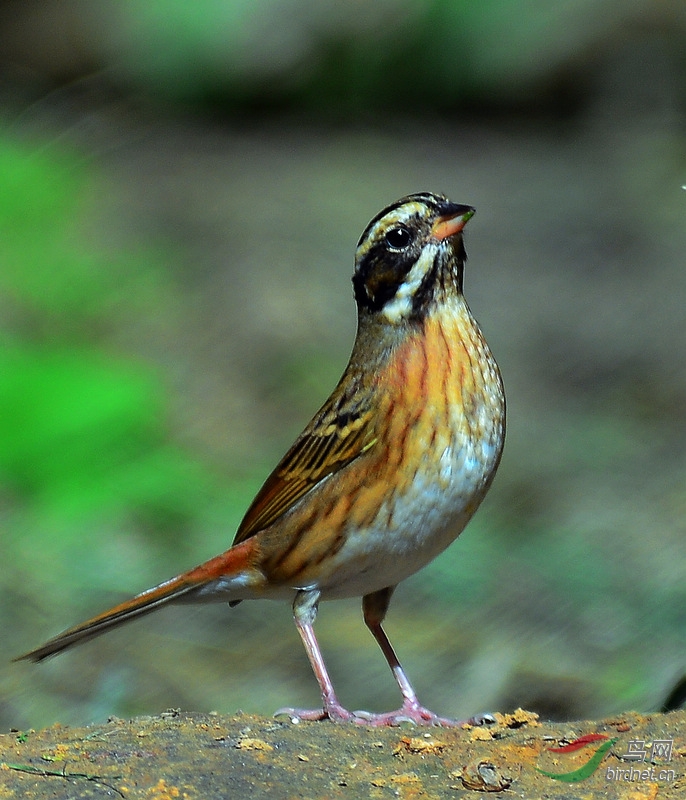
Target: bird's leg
{"x": 374, "y": 607}
{"x": 305, "y": 612}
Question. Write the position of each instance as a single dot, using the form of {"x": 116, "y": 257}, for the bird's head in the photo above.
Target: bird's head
{"x": 410, "y": 256}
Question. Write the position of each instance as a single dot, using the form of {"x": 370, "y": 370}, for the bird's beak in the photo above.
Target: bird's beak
{"x": 452, "y": 223}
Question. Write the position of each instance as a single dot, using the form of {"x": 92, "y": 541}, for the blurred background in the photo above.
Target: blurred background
{"x": 182, "y": 186}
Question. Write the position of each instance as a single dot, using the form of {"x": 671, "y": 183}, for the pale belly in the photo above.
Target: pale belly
{"x": 412, "y": 530}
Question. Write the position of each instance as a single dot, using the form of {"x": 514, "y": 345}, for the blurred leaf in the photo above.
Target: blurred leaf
{"x": 85, "y": 446}
{"x": 52, "y": 278}
{"x": 68, "y": 418}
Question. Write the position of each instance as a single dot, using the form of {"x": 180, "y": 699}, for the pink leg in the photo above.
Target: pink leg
{"x": 305, "y": 613}
{"x": 374, "y": 607}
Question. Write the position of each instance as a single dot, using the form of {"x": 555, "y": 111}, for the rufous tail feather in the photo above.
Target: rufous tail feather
{"x": 180, "y": 588}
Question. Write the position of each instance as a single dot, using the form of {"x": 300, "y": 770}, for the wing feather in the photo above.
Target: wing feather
{"x": 341, "y": 431}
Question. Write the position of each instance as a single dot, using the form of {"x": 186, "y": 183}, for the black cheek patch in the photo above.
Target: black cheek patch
{"x": 425, "y": 291}
{"x": 380, "y": 275}
{"x": 446, "y": 274}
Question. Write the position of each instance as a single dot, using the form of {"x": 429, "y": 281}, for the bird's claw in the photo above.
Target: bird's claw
{"x": 481, "y": 720}
{"x": 409, "y": 713}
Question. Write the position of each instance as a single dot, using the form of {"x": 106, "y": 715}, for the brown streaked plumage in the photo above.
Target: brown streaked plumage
{"x": 389, "y": 470}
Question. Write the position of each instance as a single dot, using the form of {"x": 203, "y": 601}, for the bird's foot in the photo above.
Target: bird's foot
{"x": 409, "y": 712}
{"x": 332, "y": 711}
{"x": 418, "y": 715}
{"x": 481, "y": 720}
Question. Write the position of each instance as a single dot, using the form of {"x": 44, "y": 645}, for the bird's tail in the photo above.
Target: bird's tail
{"x": 228, "y": 564}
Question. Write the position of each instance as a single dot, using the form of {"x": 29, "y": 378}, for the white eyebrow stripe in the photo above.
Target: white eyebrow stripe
{"x": 398, "y": 216}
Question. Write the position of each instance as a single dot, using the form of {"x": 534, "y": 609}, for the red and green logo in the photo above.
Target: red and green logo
{"x": 587, "y": 769}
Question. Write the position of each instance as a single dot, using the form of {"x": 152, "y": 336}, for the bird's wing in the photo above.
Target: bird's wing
{"x": 341, "y": 431}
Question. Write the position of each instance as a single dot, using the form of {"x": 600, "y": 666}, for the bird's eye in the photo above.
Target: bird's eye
{"x": 399, "y": 238}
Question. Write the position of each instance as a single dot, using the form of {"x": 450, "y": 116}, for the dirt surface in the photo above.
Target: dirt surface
{"x": 188, "y": 755}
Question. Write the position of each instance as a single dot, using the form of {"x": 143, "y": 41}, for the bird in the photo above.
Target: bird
{"x": 388, "y": 472}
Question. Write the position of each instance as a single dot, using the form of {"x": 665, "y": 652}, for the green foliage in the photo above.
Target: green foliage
{"x": 79, "y": 430}
{"x": 387, "y": 55}
{"x": 54, "y": 284}
{"x": 85, "y": 445}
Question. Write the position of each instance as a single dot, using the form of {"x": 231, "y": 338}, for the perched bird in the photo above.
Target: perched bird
{"x": 387, "y": 473}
